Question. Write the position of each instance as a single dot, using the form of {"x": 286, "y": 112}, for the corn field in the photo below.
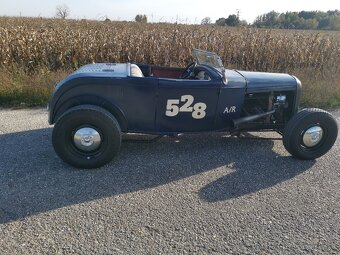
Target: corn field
{"x": 33, "y": 45}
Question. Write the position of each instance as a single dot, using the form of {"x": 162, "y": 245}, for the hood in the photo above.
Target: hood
{"x": 263, "y": 82}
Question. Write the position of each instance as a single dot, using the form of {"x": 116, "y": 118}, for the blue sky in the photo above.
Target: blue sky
{"x": 184, "y": 11}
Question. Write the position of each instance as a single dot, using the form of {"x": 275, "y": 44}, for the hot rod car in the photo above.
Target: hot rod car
{"x": 93, "y": 106}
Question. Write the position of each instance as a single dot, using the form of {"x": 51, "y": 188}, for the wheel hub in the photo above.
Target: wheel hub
{"x": 87, "y": 139}
{"x": 312, "y": 136}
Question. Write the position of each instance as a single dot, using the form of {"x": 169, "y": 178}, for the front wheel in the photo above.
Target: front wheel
{"x": 310, "y": 133}
{"x": 86, "y": 136}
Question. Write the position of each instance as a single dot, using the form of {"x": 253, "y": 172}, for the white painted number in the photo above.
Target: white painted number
{"x": 188, "y": 99}
{"x": 172, "y": 108}
{"x": 197, "y": 110}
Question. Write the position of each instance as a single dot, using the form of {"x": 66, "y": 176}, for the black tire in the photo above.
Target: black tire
{"x": 300, "y": 123}
{"x": 86, "y": 116}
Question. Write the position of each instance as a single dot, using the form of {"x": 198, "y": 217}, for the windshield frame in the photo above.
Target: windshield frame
{"x": 210, "y": 59}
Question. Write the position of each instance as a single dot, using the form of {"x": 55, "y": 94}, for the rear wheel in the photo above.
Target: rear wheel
{"x": 86, "y": 136}
{"x": 310, "y": 133}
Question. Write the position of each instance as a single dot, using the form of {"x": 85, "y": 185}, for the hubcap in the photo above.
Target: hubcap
{"x": 87, "y": 139}
{"x": 312, "y": 136}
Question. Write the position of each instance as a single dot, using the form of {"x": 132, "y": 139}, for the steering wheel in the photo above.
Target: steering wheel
{"x": 188, "y": 70}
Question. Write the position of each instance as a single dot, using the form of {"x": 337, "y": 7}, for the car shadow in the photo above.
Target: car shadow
{"x": 34, "y": 180}
{"x": 254, "y": 174}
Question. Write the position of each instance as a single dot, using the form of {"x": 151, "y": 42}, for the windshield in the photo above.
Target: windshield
{"x": 208, "y": 58}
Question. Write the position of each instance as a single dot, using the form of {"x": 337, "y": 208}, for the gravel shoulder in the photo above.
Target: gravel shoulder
{"x": 202, "y": 194}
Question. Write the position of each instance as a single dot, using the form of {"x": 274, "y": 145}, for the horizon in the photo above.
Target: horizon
{"x": 119, "y": 10}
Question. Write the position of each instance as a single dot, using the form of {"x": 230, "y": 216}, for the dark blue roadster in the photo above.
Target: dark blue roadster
{"x": 93, "y": 106}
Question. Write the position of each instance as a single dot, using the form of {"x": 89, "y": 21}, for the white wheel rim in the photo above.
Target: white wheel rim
{"x": 87, "y": 139}
{"x": 312, "y": 136}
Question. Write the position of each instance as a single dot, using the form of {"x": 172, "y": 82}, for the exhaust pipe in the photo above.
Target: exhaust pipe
{"x": 240, "y": 121}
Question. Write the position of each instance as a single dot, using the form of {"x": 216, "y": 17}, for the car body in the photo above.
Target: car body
{"x": 203, "y": 97}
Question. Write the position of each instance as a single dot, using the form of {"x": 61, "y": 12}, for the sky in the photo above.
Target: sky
{"x": 181, "y": 11}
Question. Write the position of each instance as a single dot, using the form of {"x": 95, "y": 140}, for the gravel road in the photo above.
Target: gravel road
{"x": 201, "y": 194}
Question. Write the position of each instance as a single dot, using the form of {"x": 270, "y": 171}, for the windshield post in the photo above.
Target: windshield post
{"x": 211, "y": 59}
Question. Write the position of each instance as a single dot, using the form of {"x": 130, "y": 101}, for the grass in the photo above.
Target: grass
{"x": 18, "y": 89}
{"x": 319, "y": 90}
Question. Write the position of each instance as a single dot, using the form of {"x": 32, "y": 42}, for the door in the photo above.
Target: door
{"x": 186, "y": 105}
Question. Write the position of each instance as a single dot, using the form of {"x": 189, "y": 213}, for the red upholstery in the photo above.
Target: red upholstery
{"x": 166, "y": 72}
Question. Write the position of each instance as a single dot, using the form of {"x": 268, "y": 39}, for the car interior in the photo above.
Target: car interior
{"x": 144, "y": 70}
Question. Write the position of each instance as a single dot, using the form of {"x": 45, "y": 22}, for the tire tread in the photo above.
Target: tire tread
{"x": 298, "y": 118}
{"x": 90, "y": 109}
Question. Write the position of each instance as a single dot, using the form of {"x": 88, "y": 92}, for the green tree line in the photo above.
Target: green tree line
{"x": 329, "y": 20}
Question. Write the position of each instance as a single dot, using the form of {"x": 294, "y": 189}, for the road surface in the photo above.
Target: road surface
{"x": 202, "y": 194}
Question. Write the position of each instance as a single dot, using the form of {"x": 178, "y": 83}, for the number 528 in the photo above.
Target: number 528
{"x": 197, "y": 110}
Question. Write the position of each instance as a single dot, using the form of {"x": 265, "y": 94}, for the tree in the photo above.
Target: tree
{"x": 243, "y": 23}
{"x": 269, "y": 19}
{"x": 329, "y": 20}
{"x": 220, "y": 22}
{"x": 334, "y": 13}
{"x": 334, "y": 22}
{"x": 141, "y": 18}
{"x": 62, "y": 11}
{"x": 324, "y": 23}
{"x": 308, "y": 14}
{"x": 206, "y": 21}
{"x": 233, "y": 20}
{"x": 309, "y": 24}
